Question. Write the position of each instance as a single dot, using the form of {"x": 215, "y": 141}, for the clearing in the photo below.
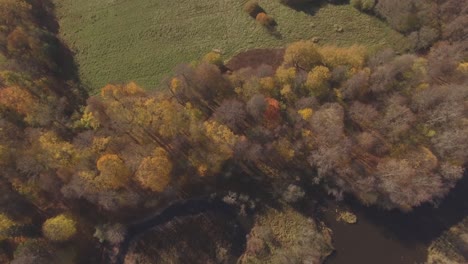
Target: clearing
{"x": 143, "y": 40}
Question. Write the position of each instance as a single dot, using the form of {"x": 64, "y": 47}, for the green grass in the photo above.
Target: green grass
{"x": 143, "y": 40}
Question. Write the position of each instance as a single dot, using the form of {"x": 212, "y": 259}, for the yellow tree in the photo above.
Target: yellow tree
{"x": 154, "y": 171}
{"x": 214, "y": 146}
{"x": 34, "y": 109}
{"x": 285, "y": 75}
{"x": 354, "y": 56}
{"x": 5, "y": 226}
{"x": 114, "y": 173}
{"x": 55, "y": 153}
{"x": 317, "y": 80}
{"x": 213, "y": 58}
{"x": 306, "y": 113}
{"x": 59, "y": 228}
{"x": 303, "y": 55}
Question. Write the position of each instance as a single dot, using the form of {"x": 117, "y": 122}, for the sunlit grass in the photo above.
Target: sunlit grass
{"x": 142, "y": 40}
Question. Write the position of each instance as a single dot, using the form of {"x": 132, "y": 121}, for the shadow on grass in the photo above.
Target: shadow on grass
{"x": 256, "y": 11}
{"x": 312, "y": 8}
{"x": 274, "y": 32}
{"x": 308, "y": 8}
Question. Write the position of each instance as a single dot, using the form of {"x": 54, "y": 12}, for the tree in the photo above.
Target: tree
{"x": 303, "y": 55}
{"x": 354, "y": 56}
{"x": 398, "y": 118}
{"x": 400, "y": 14}
{"x": 35, "y": 251}
{"x": 363, "y": 5}
{"x": 306, "y": 113}
{"x": 59, "y": 228}
{"x": 154, "y": 171}
{"x": 231, "y": 113}
{"x": 256, "y": 106}
{"x": 272, "y": 112}
{"x": 252, "y": 8}
{"x": 356, "y": 86}
{"x": 404, "y": 186}
{"x": 55, "y": 152}
{"x": 212, "y": 58}
{"x": 317, "y": 81}
{"x": 14, "y": 13}
{"x": 113, "y": 174}
{"x": 5, "y": 226}
{"x": 264, "y": 19}
{"x": 452, "y": 144}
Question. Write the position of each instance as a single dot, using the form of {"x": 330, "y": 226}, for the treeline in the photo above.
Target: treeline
{"x": 423, "y": 21}
{"x": 39, "y": 92}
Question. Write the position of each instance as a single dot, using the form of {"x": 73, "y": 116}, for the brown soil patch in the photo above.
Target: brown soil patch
{"x": 255, "y": 58}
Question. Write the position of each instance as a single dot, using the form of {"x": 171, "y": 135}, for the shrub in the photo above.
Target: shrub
{"x": 293, "y": 193}
{"x": 363, "y": 5}
{"x": 264, "y": 19}
{"x": 213, "y": 58}
{"x": 59, "y": 228}
{"x": 252, "y": 8}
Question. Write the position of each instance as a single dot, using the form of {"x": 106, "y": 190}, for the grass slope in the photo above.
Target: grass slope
{"x": 142, "y": 40}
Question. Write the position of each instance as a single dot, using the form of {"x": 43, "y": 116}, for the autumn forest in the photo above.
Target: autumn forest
{"x": 233, "y": 154}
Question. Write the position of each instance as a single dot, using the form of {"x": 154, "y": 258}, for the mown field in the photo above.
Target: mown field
{"x": 143, "y": 40}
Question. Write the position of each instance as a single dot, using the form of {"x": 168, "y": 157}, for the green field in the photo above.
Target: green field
{"x": 143, "y": 40}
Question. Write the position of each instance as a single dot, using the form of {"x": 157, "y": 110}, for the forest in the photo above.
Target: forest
{"x": 386, "y": 128}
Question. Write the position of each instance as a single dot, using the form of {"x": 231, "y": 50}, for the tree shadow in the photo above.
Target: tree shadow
{"x": 67, "y": 68}
{"x": 312, "y": 8}
{"x": 308, "y": 8}
{"x": 256, "y": 11}
{"x": 273, "y": 31}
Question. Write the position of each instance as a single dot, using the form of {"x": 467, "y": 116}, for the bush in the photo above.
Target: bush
{"x": 264, "y": 19}
{"x": 59, "y": 228}
{"x": 213, "y": 58}
{"x": 303, "y": 55}
{"x": 363, "y": 5}
{"x": 252, "y": 8}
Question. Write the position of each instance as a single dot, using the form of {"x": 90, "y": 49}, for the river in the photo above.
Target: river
{"x": 393, "y": 237}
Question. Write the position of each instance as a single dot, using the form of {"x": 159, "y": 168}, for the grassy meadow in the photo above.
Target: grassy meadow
{"x": 143, "y": 40}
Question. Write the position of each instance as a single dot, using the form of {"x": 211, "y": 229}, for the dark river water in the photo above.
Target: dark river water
{"x": 393, "y": 237}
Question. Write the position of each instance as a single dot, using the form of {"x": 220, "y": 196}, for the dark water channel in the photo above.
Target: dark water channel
{"x": 393, "y": 237}
{"x": 116, "y": 254}
{"x": 379, "y": 237}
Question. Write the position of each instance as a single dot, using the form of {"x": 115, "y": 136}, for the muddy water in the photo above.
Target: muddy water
{"x": 392, "y": 237}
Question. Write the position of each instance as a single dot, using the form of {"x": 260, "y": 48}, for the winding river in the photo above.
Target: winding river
{"x": 384, "y": 237}
{"x": 116, "y": 254}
